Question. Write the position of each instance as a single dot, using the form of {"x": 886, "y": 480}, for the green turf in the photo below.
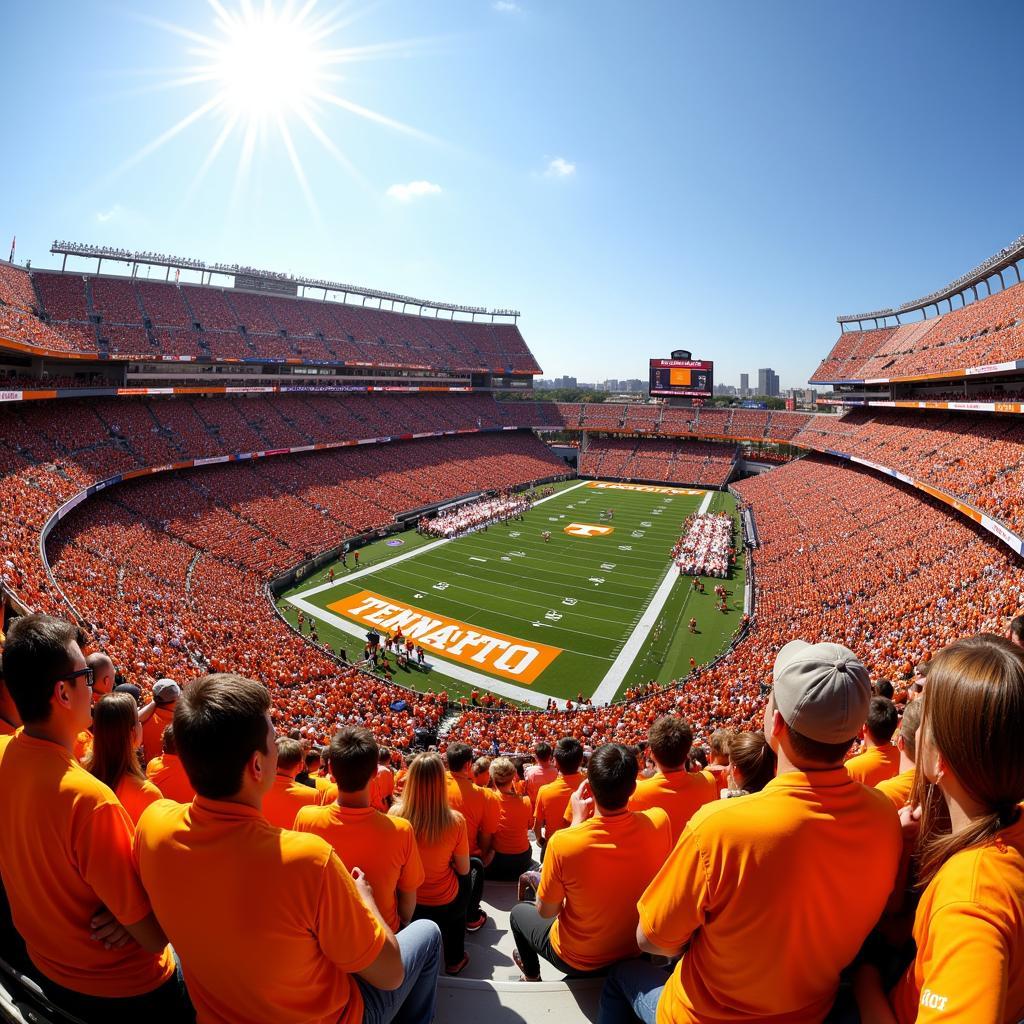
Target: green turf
{"x": 507, "y": 579}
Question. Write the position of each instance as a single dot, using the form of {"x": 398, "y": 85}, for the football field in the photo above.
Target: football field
{"x": 596, "y": 608}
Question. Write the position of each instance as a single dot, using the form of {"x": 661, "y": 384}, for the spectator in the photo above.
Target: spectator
{"x": 76, "y": 897}
{"x": 718, "y": 764}
{"x": 672, "y": 788}
{"x": 117, "y": 736}
{"x": 585, "y": 916}
{"x": 805, "y": 833}
{"x": 883, "y": 688}
{"x": 384, "y": 790}
{"x": 103, "y": 676}
{"x": 10, "y": 720}
{"x": 541, "y": 772}
{"x": 553, "y": 798}
{"x": 444, "y": 852}
{"x": 287, "y": 797}
{"x": 269, "y": 923}
{"x": 920, "y": 679}
{"x": 157, "y": 715}
{"x": 481, "y": 811}
{"x": 880, "y": 760}
{"x": 899, "y": 787}
{"x": 1017, "y": 630}
{"x": 968, "y": 928}
{"x": 482, "y": 772}
{"x": 512, "y": 852}
{"x": 752, "y": 763}
{"x": 382, "y": 847}
{"x": 171, "y": 778}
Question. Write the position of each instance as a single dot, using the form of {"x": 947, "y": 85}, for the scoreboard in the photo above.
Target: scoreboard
{"x": 691, "y": 378}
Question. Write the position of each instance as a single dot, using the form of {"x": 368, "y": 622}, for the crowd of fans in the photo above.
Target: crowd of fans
{"x": 476, "y": 515}
{"x": 672, "y": 462}
{"x": 706, "y": 547}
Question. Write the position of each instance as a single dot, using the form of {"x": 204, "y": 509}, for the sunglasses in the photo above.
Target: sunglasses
{"x": 83, "y": 673}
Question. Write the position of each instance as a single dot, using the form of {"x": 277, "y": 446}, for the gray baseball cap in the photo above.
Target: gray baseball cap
{"x": 821, "y": 690}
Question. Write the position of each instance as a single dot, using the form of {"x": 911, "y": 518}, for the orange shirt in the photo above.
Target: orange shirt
{"x": 172, "y": 781}
{"x": 514, "y": 820}
{"x": 875, "y": 765}
{"x": 268, "y": 922}
{"x": 678, "y": 794}
{"x": 969, "y": 932}
{"x": 440, "y": 883}
{"x": 599, "y": 868}
{"x": 898, "y": 788}
{"x": 285, "y": 799}
{"x": 153, "y": 731}
{"x": 479, "y": 807}
{"x": 538, "y": 775}
{"x": 384, "y": 787}
{"x": 66, "y": 851}
{"x": 761, "y": 889}
{"x": 552, "y": 801}
{"x": 136, "y": 795}
{"x": 385, "y": 848}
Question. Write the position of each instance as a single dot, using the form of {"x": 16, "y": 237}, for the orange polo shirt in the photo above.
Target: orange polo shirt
{"x": 969, "y": 932}
{"x": 599, "y": 868}
{"x": 514, "y": 820}
{"x": 285, "y": 799}
{"x": 385, "y": 848}
{"x": 136, "y": 795}
{"x": 383, "y": 787}
{"x": 153, "y": 731}
{"x": 898, "y": 788}
{"x": 268, "y": 922}
{"x": 678, "y": 794}
{"x": 761, "y": 889}
{"x": 875, "y": 765}
{"x": 440, "y": 883}
{"x": 66, "y": 851}
{"x": 479, "y": 807}
{"x": 552, "y": 801}
{"x": 172, "y": 781}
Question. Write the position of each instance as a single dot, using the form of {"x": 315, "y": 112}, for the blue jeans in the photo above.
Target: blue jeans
{"x": 631, "y": 992}
{"x": 414, "y": 1000}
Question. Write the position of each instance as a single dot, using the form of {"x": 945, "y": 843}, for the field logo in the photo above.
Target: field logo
{"x": 587, "y": 530}
{"x": 646, "y": 488}
{"x": 522, "y": 661}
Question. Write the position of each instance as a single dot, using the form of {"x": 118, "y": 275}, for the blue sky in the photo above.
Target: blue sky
{"x": 724, "y": 176}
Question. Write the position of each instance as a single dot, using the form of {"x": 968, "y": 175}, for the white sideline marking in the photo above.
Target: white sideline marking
{"x": 608, "y": 686}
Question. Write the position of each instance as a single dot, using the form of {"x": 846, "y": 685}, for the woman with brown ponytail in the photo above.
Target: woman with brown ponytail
{"x": 969, "y": 925}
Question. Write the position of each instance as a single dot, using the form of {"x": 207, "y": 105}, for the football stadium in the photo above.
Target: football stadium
{"x": 352, "y": 670}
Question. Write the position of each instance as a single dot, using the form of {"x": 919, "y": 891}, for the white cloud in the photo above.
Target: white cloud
{"x": 413, "y": 190}
{"x": 560, "y": 168}
{"x": 116, "y": 212}
{"x": 507, "y": 7}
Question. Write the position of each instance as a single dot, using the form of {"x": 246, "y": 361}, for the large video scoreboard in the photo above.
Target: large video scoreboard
{"x": 690, "y": 378}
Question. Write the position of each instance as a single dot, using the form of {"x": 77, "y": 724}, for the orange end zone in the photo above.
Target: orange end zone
{"x": 521, "y": 661}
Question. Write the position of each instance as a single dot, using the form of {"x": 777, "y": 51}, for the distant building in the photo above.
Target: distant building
{"x": 633, "y": 385}
{"x": 768, "y": 383}
{"x": 744, "y": 385}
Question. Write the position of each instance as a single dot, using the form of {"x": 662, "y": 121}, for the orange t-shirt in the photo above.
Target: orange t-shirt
{"x": 773, "y": 865}
{"x": 875, "y": 765}
{"x": 382, "y": 788}
{"x": 136, "y": 795}
{"x": 285, "y": 799}
{"x": 678, "y": 794}
{"x": 552, "y": 802}
{"x": 515, "y": 817}
{"x": 268, "y": 922}
{"x": 66, "y": 851}
{"x": 898, "y": 788}
{"x": 153, "y": 731}
{"x": 479, "y": 807}
{"x": 599, "y": 868}
{"x": 969, "y": 932}
{"x": 172, "y": 781}
{"x": 385, "y": 848}
{"x": 440, "y": 883}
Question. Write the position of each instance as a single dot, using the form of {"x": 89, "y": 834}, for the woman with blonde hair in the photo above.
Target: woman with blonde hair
{"x": 511, "y": 853}
{"x": 969, "y": 784}
{"x": 444, "y": 850}
{"x": 116, "y": 736}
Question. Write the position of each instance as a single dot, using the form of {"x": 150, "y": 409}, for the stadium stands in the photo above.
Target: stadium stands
{"x": 653, "y": 461}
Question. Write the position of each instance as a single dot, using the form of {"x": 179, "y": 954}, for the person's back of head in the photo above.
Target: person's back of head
{"x": 482, "y": 771}
{"x": 670, "y": 740}
{"x": 751, "y": 761}
{"x": 103, "y": 674}
{"x": 166, "y": 693}
{"x": 719, "y": 745}
{"x": 542, "y": 752}
{"x": 313, "y": 758}
{"x": 384, "y": 755}
{"x": 222, "y": 727}
{"x": 458, "y": 755}
{"x": 884, "y": 688}
{"x": 424, "y": 802}
{"x": 115, "y": 735}
{"x": 909, "y": 724}
{"x": 881, "y": 721}
{"x": 1017, "y": 630}
{"x": 354, "y": 758}
{"x": 612, "y": 773}
{"x": 502, "y": 771}
{"x": 290, "y": 755}
{"x": 167, "y": 740}
{"x": 568, "y": 755}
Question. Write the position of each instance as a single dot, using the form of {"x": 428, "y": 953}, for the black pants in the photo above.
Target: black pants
{"x": 533, "y": 940}
{"x": 451, "y": 919}
{"x": 168, "y": 1004}
{"x": 507, "y": 867}
{"x": 472, "y": 886}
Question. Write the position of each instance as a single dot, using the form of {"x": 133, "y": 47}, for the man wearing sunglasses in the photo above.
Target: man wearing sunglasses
{"x": 65, "y": 847}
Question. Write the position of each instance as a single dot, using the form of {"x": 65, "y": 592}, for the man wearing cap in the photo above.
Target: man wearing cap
{"x": 157, "y": 715}
{"x": 770, "y": 896}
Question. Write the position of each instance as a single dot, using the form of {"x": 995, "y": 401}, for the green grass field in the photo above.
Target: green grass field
{"x": 535, "y": 619}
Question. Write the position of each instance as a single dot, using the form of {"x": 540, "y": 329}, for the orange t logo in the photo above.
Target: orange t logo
{"x": 588, "y": 530}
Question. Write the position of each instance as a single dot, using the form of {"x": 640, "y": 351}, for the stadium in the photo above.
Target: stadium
{"x": 235, "y": 484}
